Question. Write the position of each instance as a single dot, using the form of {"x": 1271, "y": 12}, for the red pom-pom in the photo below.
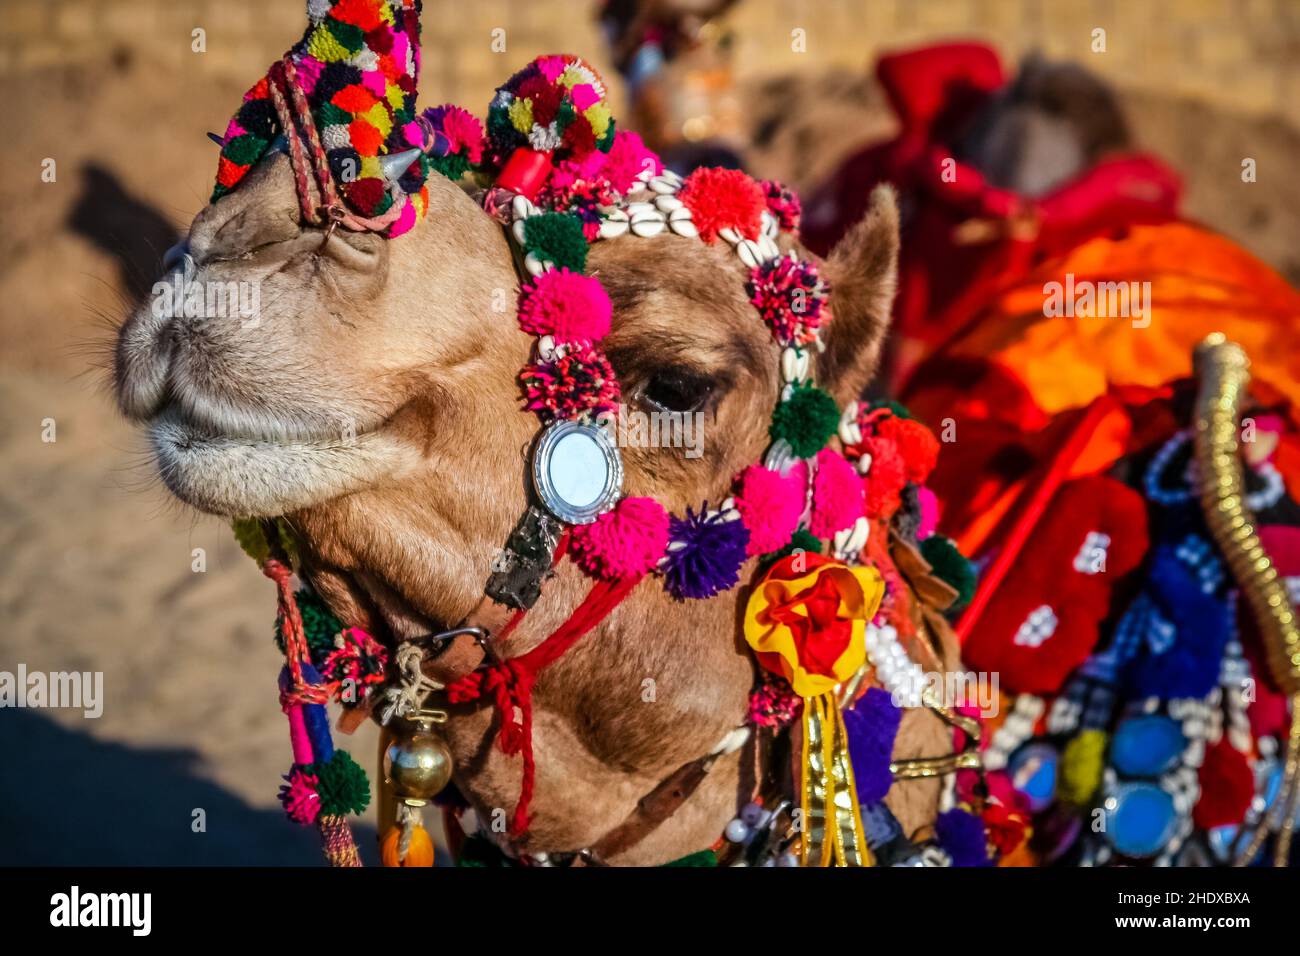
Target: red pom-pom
{"x": 770, "y": 505}
{"x": 568, "y": 305}
{"x": 622, "y": 543}
{"x": 837, "y": 495}
{"x": 916, "y": 445}
{"x": 885, "y": 478}
{"x": 1227, "y": 787}
{"x": 580, "y": 380}
{"x": 723, "y": 199}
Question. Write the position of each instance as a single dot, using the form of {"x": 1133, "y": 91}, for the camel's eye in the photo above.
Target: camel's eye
{"x": 677, "y": 389}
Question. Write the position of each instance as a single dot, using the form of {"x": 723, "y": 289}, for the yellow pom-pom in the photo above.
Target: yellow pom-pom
{"x": 1081, "y": 766}
{"x": 419, "y": 853}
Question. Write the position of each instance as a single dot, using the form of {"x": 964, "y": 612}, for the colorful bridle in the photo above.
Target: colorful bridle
{"x": 560, "y": 177}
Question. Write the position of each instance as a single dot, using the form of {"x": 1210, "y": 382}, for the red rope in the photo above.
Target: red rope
{"x": 511, "y": 682}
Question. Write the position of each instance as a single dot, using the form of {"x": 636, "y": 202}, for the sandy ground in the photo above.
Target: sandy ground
{"x": 96, "y": 565}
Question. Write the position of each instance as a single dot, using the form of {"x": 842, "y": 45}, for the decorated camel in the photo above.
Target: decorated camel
{"x": 373, "y": 423}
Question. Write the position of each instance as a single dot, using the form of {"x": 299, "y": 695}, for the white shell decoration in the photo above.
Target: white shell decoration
{"x": 768, "y": 248}
{"x": 749, "y": 253}
{"x": 864, "y": 464}
{"x": 645, "y": 228}
{"x": 794, "y": 364}
{"x": 547, "y": 350}
{"x": 667, "y": 203}
{"x": 522, "y": 208}
{"x": 662, "y": 186}
{"x": 636, "y": 208}
{"x": 850, "y": 430}
{"x": 684, "y": 227}
{"x": 682, "y": 212}
{"x": 614, "y": 224}
{"x": 518, "y": 230}
{"x": 536, "y": 266}
{"x": 780, "y": 457}
{"x": 730, "y": 235}
{"x": 861, "y": 533}
{"x": 771, "y": 228}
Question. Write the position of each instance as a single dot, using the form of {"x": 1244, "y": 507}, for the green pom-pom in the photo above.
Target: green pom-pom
{"x": 950, "y": 566}
{"x": 244, "y": 150}
{"x": 453, "y": 165}
{"x": 343, "y": 786}
{"x": 557, "y": 236}
{"x": 801, "y": 540}
{"x": 318, "y": 624}
{"x": 249, "y": 534}
{"x": 350, "y": 37}
{"x": 807, "y": 419}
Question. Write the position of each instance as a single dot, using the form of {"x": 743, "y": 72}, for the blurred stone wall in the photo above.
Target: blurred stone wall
{"x": 1240, "y": 55}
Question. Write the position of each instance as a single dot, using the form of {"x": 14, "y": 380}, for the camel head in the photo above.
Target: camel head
{"x": 373, "y": 400}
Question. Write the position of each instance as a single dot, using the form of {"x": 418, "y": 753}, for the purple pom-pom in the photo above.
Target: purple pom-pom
{"x": 872, "y": 724}
{"x": 705, "y": 553}
{"x": 961, "y": 835}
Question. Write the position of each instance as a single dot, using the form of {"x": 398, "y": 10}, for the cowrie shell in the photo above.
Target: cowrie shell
{"x": 771, "y": 227}
{"x": 634, "y": 208}
{"x": 864, "y": 464}
{"x": 682, "y": 212}
{"x": 730, "y": 235}
{"x": 839, "y": 543}
{"x": 547, "y": 350}
{"x": 684, "y": 227}
{"x": 728, "y": 504}
{"x": 768, "y": 248}
{"x": 522, "y": 208}
{"x": 648, "y": 227}
{"x": 779, "y": 457}
{"x": 648, "y": 215}
{"x": 667, "y": 203}
{"x": 860, "y": 533}
{"x": 749, "y": 252}
{"x": 518, "y": 230}
{"x": 794, "y": 364}
{"x": 662, "y": 186}
{"x": 536, "y": 266}
{"x": 613, "y": 228}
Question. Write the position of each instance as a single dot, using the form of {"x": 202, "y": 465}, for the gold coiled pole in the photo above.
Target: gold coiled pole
{"x": 1223, "y": 372}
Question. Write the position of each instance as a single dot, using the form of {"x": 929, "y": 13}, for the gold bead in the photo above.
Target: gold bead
{"x": 417, "y": 766}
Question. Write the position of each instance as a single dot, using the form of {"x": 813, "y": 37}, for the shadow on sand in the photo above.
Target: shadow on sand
{"x": 68, "y": 799}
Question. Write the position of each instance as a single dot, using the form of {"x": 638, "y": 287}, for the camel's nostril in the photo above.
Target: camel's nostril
{"x": 177, "y": 253}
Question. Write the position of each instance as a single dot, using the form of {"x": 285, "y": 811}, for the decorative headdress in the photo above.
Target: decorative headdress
{"x": 345, "y": 93}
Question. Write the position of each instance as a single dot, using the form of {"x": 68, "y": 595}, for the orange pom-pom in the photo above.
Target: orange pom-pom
{"x": 916, "y": 444}
{"x": 419, "y": 853}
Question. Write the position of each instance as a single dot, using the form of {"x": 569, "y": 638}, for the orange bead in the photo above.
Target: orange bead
{"x": 419, "y": 853}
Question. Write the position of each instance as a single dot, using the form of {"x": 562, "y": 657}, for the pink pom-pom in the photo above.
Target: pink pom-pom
{"x": 622, "y": 543}
{"x": 770, "y": 505}
{"x": 837, "y": 495}
{"x": 299, "y": 797}
{"x": 929, "y": 504}
{"x": 628, "y": 158}
{"x": 568, "y": 305}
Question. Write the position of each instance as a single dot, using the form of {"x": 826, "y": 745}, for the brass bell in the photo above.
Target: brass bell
{"x": 417, "y": 766}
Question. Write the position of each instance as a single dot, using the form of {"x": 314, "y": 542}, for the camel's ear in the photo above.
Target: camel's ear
{"x": 863, "y": 273}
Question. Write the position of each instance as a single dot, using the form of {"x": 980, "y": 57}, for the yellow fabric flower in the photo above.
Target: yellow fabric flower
{"x": 806, "y": 620}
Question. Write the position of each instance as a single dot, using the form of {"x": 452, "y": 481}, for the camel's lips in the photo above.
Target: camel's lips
{"x": 265, "y": 472}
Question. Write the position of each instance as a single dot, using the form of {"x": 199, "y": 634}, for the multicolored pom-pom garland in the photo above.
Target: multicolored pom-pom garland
{"x": 357, "y": 66}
